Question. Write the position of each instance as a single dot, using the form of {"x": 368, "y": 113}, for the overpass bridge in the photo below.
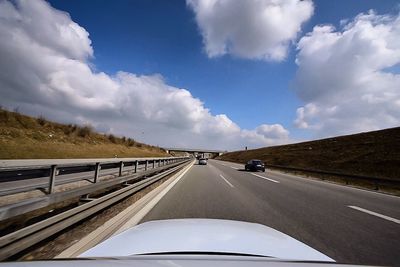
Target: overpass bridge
{"x": 208, "y": 153}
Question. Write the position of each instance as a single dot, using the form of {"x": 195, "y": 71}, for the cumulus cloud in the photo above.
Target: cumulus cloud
{"x": 257, "y": 29}
{"x": 268, "y": 133}
{"x": 349, "y": 78}
{"x": 45, "y": 69}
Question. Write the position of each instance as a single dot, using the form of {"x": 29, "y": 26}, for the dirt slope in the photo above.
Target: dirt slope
{"x": 375, "y": 154}
{"x": 24, "y": 137}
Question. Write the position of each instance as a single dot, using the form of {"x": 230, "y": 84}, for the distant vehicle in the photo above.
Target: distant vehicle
{"x": 202, "y": 161}
{"x": 254, "y": 165}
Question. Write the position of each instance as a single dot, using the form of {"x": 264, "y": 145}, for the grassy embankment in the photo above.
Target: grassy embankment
{"x": 372, "y": 154}
{"x": 24, "y": 137}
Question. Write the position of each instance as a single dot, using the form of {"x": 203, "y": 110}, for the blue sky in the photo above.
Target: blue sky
{"x": 148, "y": 37}
{"x": 167, "y": 38}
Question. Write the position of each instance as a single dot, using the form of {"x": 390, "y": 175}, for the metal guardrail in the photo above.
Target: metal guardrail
{"x": 24, "y": 238}
{"x": 27, "y": 205}
{"x": 12, "y": 170}
{"x": 377, "y": 181}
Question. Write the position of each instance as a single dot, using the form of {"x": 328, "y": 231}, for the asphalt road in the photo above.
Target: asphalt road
{"x": 314, "y": 212}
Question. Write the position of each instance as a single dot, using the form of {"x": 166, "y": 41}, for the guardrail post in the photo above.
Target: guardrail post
{"x": 121, "y": 168}
{"x": 146, "y": 165}
{"x": 96, "y": 172}
{"x": 159, "y": 162}
{"x": 136, "y": 165}
{"x": 154, "y": 163}
{"x": 52, "y": 180}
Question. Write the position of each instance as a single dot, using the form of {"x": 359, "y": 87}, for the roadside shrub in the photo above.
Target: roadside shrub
{"x": 38, "y": 136}
{"x": 68, "y": 129}
{"x": 20, "y": 118}
{"x": 74, "y": 127}
{"x": 130, "y": 142}
{"x": 4, "y": 115}
{"x": 41, "y": 120}
{"x": 112, "y": 138}
{"x": 85, "y": 131}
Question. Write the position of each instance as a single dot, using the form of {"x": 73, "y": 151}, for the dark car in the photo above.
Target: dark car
{"x": 254, "y": 165}
{"x": 202, "y": 161}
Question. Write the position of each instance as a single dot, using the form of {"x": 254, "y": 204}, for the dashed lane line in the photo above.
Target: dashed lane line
{"x": 266, "y": 178}
{"x": 231, "y": 185}
{"x": 375, "y": 214}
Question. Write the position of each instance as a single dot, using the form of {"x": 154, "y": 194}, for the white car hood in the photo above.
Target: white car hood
{"x": 205, "y": 235}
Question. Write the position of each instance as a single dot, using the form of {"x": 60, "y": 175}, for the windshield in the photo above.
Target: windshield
{"x": 281, "y": 117}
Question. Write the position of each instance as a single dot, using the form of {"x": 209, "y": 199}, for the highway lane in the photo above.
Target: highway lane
{"x": 314, "y": 212}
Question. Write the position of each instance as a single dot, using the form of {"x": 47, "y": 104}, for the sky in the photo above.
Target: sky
{"x": 217, "y": 74}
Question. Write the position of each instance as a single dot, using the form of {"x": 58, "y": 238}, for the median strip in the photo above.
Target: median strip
{"x": 375, "y": 214}
{"x": 266, "y": 178}
{"x": 231, "y": 185}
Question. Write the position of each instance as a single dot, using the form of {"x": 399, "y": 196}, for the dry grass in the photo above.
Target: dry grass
{"x": 373, "y": 154}
{"x": 24, "y": 137}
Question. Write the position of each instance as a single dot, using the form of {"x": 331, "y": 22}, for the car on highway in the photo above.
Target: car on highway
{"x": 195, "y": 242}
{"x": 203, "y": 161}
{"x": 254, "y": 165}
{"x": 205, "y": 237}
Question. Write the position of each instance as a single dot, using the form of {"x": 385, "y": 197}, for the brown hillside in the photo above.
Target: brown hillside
{"x": 24, "y": 137}
{"x": 375, "y": 154}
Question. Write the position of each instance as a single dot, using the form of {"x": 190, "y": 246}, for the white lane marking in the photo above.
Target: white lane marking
{"x": 266, "y": 178}
{"x": 231, "y": 185}
{"x": 140, "y": 208}
{"x": 150, "y": 205}
{"x": 376, "y": 214}
{"x": 228, "y": 166}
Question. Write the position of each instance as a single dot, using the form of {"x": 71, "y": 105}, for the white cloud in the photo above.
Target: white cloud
{"x": 257, "y": 29}
{"x": 348, "y": 77}
{"x": 267, "y": 133}
{"x": 45, "y": 69}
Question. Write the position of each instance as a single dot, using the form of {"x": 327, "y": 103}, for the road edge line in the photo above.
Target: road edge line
{"x": 153, "y": 201}
{"x": 109, "y": 228}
